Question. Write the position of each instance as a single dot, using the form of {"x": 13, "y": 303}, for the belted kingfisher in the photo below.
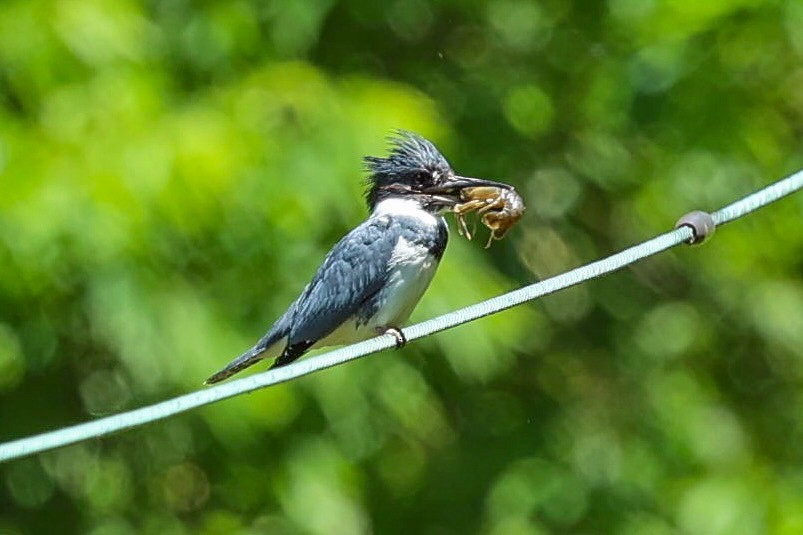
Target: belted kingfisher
{"x": 372, "y": 279}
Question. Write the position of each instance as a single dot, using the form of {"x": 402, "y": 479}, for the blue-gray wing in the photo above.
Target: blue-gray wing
{"x": 354, "y": 271}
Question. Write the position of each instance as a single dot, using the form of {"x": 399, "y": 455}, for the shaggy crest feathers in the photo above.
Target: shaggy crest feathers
{"x": 410, "y": 156}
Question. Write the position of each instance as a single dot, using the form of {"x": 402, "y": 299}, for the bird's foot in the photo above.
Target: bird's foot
{"x": 401, "y": 340}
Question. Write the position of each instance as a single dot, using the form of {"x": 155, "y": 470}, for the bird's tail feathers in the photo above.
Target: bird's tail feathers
{"x": 268, "y": 347}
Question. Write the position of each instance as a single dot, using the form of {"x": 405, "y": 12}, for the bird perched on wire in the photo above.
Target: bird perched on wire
{"x": 372, "y": 279}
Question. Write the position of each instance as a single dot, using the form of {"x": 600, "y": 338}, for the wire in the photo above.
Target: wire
{"x": 126, "y": 420}
{"x": 762, "y": 197}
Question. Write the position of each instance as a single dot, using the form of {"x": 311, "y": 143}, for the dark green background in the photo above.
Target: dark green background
{"x": 172, "y": 173}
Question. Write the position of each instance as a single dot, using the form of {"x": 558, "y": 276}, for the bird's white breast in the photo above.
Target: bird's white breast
{"x": 411, "y": 266}
{"x": 405, "y": 208}
{"x": 411, "y": 270}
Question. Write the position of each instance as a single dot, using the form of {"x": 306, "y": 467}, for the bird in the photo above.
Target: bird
{"x": 372, "y": 279}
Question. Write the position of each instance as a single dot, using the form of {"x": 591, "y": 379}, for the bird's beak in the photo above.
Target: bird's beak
{"x": 453, "y": 184}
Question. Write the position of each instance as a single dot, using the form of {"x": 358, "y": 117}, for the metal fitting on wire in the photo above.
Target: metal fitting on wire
{"x": 701, "y": 224}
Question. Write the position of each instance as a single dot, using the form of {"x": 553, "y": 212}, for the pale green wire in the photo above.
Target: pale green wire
{"x": 126, "y": 420}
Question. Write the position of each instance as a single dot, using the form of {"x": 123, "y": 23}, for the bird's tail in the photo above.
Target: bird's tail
{"x": 268, "y": 347}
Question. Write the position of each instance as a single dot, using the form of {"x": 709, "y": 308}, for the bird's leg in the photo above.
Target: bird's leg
{"x": 401, "y": 340}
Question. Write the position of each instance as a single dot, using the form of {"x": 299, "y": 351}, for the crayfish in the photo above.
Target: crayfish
{"x": 498, "y": 208}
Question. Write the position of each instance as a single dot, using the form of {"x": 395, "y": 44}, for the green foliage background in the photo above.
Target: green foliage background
{"x": 172, "y": 173}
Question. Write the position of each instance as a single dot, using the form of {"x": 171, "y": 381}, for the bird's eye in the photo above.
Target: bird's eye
{"x": 424, "y": 176}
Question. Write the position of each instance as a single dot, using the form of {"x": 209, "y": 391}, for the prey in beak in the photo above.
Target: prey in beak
{"x": 415, "y": 171}
{"x": 451, "y": 190}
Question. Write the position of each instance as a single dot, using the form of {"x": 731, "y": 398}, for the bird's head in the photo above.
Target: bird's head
{"x": 414, "y": 169}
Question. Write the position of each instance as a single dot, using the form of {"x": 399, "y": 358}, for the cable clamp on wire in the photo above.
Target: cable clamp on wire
{"x": 701, "y": 223}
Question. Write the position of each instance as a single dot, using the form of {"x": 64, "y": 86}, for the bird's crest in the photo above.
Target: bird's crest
{"x": 410, "y": 155}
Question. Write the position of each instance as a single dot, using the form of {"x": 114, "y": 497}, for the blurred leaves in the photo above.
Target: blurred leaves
{"x": 172, "y": 173}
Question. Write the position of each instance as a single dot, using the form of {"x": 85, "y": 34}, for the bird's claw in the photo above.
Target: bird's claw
{"x": 401, "y": 340}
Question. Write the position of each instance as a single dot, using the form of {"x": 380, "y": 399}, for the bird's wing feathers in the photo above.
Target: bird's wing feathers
{"x": 353, "y": 271}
